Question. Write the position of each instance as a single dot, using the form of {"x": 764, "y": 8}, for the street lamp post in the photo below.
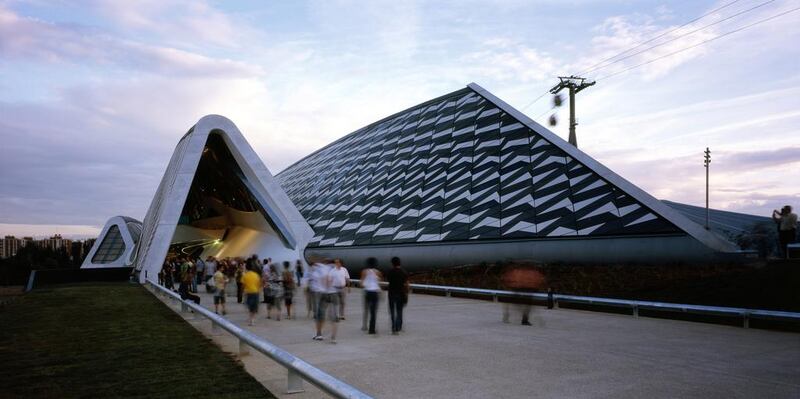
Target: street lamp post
{"x": 706, "y": 163}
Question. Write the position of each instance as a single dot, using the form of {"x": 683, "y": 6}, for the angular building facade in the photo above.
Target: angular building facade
{"x": 217, "y": 198}
{"x": 466, "y": 178}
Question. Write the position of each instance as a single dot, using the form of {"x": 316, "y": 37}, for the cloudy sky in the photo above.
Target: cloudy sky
{"x": 95, "y": 94}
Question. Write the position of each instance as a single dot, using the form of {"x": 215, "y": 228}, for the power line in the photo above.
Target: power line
{"x": 545, "y": 112}
{"x": 660, "y": 36}
{"x": 680, "y": 36}
{"x": 701, "y": 43}
{"x": 535, "y": 100}
{"x": 632, "y": 48}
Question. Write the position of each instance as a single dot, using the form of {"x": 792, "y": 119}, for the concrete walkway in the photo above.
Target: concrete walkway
{"x": 460, "y": 348}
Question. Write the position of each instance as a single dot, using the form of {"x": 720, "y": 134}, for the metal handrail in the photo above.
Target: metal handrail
{"x": 297, "y": 368}
{"x": 635, "y": 305}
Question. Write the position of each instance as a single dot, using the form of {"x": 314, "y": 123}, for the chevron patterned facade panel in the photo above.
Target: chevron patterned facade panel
{"x": 456, "y": 168}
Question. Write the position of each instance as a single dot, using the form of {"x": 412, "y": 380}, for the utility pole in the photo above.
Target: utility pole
{"x": 575, "y": 85}
{"x": 706, "y": 163}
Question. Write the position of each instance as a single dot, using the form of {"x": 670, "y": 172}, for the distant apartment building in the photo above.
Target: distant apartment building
{"x": 10, "y": 246}
{"x": 56, "y": 243}
{"x": 75, "y": 249}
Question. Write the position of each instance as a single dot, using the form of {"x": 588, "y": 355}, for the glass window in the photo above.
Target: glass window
{"x": 111, "y": 248}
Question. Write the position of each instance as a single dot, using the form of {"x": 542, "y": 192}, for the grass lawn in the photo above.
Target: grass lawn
{"x": 110, "y": 340}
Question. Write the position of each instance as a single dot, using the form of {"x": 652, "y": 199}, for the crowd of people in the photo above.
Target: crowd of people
{"x": 325, "y": 284}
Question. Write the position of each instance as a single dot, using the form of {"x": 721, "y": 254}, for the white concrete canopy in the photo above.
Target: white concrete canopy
{"x": 279, "y": 231}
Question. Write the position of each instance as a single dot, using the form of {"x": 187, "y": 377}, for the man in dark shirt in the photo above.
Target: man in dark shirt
{"x": 398, "y": 294}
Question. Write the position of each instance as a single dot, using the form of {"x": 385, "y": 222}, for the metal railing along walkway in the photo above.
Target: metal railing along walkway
{"x": 298, "y": 370}
{"x": 635, "y": 306}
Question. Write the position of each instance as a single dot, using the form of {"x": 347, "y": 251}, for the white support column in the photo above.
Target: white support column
{"x": 244, "y": 349}
{"x": 294, "y": 382}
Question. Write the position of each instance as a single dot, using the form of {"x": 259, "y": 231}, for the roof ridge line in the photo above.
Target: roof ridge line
{"x": 663, "y": 210}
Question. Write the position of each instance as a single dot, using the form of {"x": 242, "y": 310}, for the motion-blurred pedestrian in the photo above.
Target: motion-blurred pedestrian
{"x": 398, "y": 294}
{"x": 288, "y": 288}
{"x": 341, "y": 282}
{"x": 370, "y": 282}
{"x": 251, "y": 285}
{"x": 275, "y": 281}
{"x": 522, "y": 280}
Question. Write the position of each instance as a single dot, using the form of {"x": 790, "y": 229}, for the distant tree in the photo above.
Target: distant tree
{"x": 762, "y": 237}
{"x": 15, "y": 270}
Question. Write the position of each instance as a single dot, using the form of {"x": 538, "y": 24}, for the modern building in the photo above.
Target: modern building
{"x": 217, "y": 198}
{"x": 115, "y": 245}
{"x": 463, "y": 178}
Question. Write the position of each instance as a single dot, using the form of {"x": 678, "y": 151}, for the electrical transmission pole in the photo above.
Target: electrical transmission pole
{"x": 706, "y": 163}
{"x": 575, "y": 85}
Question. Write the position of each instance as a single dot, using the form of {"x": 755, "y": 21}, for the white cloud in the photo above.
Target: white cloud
{"x": 181, "y": 22}
{"x": 31, "y": 39}
{"x": 505, "y": 60}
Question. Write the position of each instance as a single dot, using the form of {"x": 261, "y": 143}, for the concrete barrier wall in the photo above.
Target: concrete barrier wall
{"x": 619, "y": 250}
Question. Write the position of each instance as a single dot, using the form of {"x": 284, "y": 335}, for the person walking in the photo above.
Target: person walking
{"x": 288, "y": 288}
{"x": 311, "y": 304}
{"x": 192, "y": 275}
{"x": 371, "y": 283}
{"x": 523, "y": 280}
{"x": 298, "y": 271}
{"x": 211, "y": 268}
{"x": 267, "y": 297}
{"x": 220, "y": 280}
{"x": 240, "y": 270}
{"x": 199, "y": 272}
{"x": 251, "y": 284}
{"x": 275, "y": 281}
{"x": 341, "y": 282}
{"x": 787, "y": 228}
{"x": 398, "y": 294}
{"x": 325, "y": 299}
{"x": 186, "y": 282}
{"x": 168, "y": 273}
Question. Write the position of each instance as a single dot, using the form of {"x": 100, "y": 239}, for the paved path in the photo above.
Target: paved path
{"x": 459, "y": 348}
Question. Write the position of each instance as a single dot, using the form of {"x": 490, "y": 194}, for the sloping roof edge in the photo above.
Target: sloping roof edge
{"x": 693, "y": 229}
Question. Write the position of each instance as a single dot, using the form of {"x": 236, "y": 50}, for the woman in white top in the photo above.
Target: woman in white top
{"x": 370, "y": 282}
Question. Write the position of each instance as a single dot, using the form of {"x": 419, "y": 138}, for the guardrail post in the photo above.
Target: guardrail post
{"x": 184, "y": 307}
{"x": 495, "y": 299}
{"x": 447, "y": 293}
{"x": 244, "y": 349}
{"x": 294, "y": 382}
{"x": 636, "y": 311}
{"x": 214, "y": 328}
{"x": 746, "y": 320}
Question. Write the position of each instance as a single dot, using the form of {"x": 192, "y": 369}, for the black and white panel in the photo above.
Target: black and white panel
{"x": 453, "y": 169}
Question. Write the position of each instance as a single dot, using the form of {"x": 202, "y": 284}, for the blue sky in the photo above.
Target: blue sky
{"x": 95, "y": 94}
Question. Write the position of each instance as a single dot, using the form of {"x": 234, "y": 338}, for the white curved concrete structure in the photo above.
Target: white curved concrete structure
{"x": 268, "y": 224}
{"x": 115, "y": 245}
